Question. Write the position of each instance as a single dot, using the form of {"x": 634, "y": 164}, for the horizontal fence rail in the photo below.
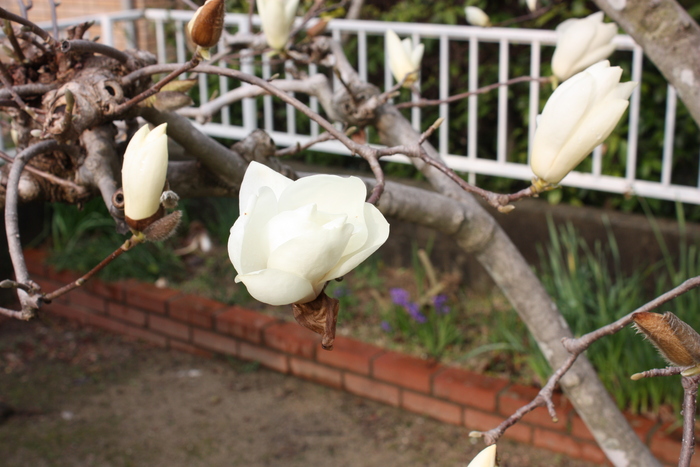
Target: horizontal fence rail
{"x": 465, "y": 149}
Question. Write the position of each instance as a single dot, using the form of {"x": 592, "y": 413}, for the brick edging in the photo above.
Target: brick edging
{"x": 172, "y": 319}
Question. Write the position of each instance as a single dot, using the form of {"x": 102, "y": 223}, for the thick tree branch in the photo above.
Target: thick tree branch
{"x": 670, "y": 38}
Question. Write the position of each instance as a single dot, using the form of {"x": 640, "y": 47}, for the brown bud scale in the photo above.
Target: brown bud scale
{"x": 205, "y": 27}
{"x": 675, "y": 340}
{"x": 320, "y": 316}
{"x": 139, "y": 225}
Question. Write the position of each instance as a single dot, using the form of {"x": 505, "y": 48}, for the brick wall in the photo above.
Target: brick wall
{"x": 169, "y": 318}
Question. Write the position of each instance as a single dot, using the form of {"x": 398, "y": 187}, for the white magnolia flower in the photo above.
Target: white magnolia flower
{"x": 486, "y": 458}
{"x": 477, "y": 17}
{"x": 277, "y": 18}
{"x": 579, "y": 115}
{"x": 404, "y": 59}
{"x": 293, "y": 236}
{"x": 531, "y": 5}
{"x": 143, "y": 172}
{"x": 581, "y": 43}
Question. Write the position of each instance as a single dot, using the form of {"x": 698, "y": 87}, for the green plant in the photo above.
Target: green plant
{"x": 82, "y": 238}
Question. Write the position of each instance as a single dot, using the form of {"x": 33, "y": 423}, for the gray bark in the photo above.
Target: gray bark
{"x": 480, "y": 234}
{"x": 670, "y": 38}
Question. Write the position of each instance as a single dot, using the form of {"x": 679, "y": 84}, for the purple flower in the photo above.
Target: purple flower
{"x": 341, "y": 292}
{"x": 440, "y": 304}
{"x": 414, "y": 310}
{"x": 399, "y": 296}
{"x": 386, "y": 327}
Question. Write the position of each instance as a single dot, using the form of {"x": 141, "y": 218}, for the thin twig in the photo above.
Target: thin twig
{"x": 32, "y": 27}
{"x": 81, "y": 45}
{"x": 50, "y": 177}
{"x": 482, "y": 90}
{"x": 6, "y": 80}
{"x": 297, "y": 148}
{"x": 157, "y": 87}
{"x": 10, "y": 284}
{"x": 690, "y": 394}
{"x": 54, "y": 17}
{"x": 126, "y": 246}
{"x": 10, "y": 33}
{"x": 519, "y": 19}
{"x": 656, "y": 372}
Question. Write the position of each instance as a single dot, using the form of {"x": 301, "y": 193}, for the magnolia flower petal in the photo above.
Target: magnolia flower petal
{"x": 331, "y": 194}
{"x": 290, "y": 10}
{"x": 604, "y": 33}
{"x": 559, "y": 119}
{"x": 378, "y": 232}
{"x": 276, "y": 287}
{"x": 294, "y": 223}
{"x": 623, "y": 90}
{"x": 417, "y": 56}
{"x": 252, "y": 248}
{"x": 321, "y": 251}
{"x": 477, "y": 16}
{"x": 258, "y": 175}
{"x": 606, "y": 79}
{"x": 237, "y": 233}
{"x": 593, "y": 130}
{"x": 275, "y": 24}
{"x": 399, "y": 59}
{"x": 486, "y": 458}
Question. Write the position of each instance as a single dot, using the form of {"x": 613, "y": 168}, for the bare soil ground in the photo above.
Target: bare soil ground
{"x": 75, "y": 396}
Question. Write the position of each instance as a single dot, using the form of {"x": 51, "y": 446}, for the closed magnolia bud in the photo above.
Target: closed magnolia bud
{"x": 578, "y": 116}
{"x": 404, "y": 59}
{"x": 277, "y": 18}
{"x": 477, "y": 17}
{"x": 143, "y": 176}
{"x": 675, "y": 340}
{"x": 204, "y": 29}
{"x": 581, "y": 43}
{"x": 486, "y": 458}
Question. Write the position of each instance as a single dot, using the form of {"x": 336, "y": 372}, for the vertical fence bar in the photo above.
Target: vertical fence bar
{"x": 597, "y": 168}
{"x": 267, "y": 99}
{"x": 502, "y": 143}
{"x": 180, "y": 45}
{"x": 415, "y": 111}
{"x": 387, "y": 70}
{"x": 223, "y": 88}
{"x": 337, "y": 38}
{"x": 313, "y": 102}
{"x": 107, "y": 32}
{"x": 291, "y": 111}
{"x": 444, "y": 93}
{"x": 535, "y": 51}
{"x": 362, "y": 55}
{"x": 250, "y": 109}
{"x": 473, "y": 102}
{"x": 669, "y": 131}
{"x": 160, "y": 41}
{"x": 633, "y": 134}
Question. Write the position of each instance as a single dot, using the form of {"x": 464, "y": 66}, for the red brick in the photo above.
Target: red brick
{"x": 148, "y": 296}
{"x": 641, "y": 425}
{"x": 107, "y": 323}
{"x": 246, "y": 324}
{"x": 556, "y": 442}
{"x": 36, "y": 261}
{"x": 126, "y": 313}
{"x": 579, "y": 429}
{"x": 349, "y": 354}
{"x": 169, "y": 327}
{"x": 215, "y": 342}
{"x": 482, "y": 421}
{"x": 592, "y": 453}
{"x": 664, "y": 448}
{"x": 72, "y": 312}
{"x": 195, "y": 310}
{"x": 145, "y": 335}
{"x": 405, "y": 371}
{"x": 113, "y": 291}
{"x": 516, "y": 396}
{"x": 63, "y": 277}
{"x": 292, "y": 338}
{"x": 189, "y": 348}
{"x": 468, "y": 388}
{"x": 315, "y": 372}
{"x": 86, "y": 299}
{"x": 371, "y": 389}
{"x": 269, "y": 358}
{"x": 426, "y": 405}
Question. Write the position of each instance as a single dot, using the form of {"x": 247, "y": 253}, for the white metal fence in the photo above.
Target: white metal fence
{"x": 461, "y": 149}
